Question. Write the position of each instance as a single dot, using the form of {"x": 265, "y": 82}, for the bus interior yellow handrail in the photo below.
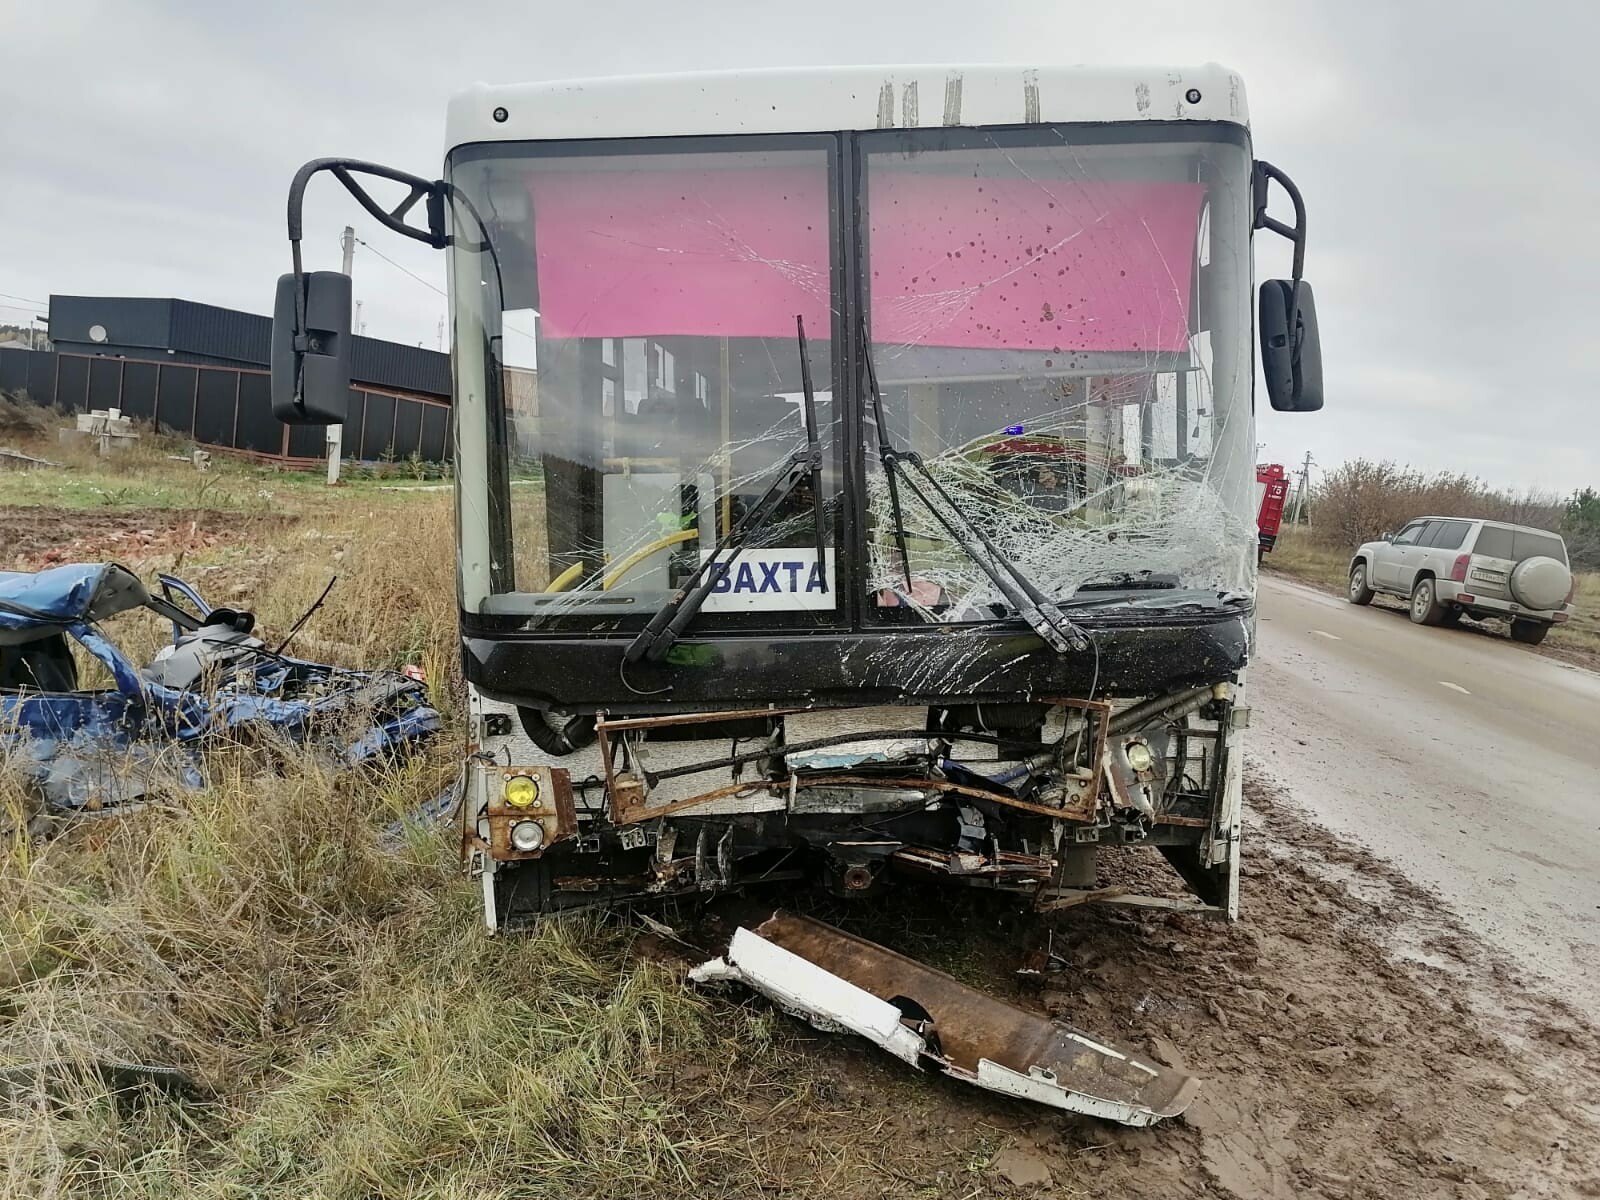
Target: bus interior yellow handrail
{"x": 565, "y": 580}
{"x": 614, "y": 576}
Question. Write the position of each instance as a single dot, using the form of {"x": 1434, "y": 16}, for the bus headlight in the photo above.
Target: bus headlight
{"x": 522, "y": 791}
{"x": 527, "y": 836}
{"x": 1139, "y": 757}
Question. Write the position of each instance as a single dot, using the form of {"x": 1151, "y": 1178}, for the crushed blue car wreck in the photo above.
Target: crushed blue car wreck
{"x": 92, "y": 750}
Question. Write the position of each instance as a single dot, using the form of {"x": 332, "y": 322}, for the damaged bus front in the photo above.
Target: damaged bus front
{"x": 855, "y": 474}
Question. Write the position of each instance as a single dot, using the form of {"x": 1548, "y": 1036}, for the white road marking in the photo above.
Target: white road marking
{"x": 1454, "y": 687}
{"x": 1332, "y": 637}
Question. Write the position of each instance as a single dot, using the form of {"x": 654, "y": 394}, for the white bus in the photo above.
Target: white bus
{"x": 884, "y": 506}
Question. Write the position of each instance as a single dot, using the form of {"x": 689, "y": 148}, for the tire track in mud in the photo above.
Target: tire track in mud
{"x": 1355, "y": 1040}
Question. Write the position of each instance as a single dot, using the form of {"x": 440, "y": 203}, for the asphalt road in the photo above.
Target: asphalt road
{"x": 1469, "y": 762}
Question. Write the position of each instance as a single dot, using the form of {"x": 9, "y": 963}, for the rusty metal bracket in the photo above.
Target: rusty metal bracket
{"x": 1073, "y": 900}
{"x": 627, "y": 803}
{"x": 553, "y": 809}
{"x": 1008, "y": 864}
{"x": 605, "y": 723}
{"x": 1097, "y": 718}
{"x": 626, "y": 800}
{"x": 626, "y": 810}
{"x": 622, "y": 815}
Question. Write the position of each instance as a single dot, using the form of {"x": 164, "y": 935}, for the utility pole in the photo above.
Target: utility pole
{"x": 441, "y": 332}
{"x": 336, "y": 432}
{"x": 1302, "y": 492}
{"x": 361, "y": 327}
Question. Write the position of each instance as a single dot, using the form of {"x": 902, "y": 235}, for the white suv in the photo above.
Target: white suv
{"x": 1449, "y": 566}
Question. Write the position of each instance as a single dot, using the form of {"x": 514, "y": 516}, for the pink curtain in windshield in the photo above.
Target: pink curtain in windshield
{"x": 955, "y": 261}
{"x": 1051, "y": 265}
{"x": 723, "y": 253}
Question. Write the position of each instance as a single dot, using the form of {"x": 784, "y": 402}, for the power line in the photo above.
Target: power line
{"x": 432, "y": 288}
{"x": 25, "y": 300}
{"x": 403, "y": 270}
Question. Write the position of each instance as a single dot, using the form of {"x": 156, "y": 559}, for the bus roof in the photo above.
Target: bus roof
{"x": 829, "y": 99}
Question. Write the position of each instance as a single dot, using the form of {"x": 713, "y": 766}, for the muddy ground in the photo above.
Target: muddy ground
{"x": 1354, "y": 1041}
{"x": 33, "y": 538}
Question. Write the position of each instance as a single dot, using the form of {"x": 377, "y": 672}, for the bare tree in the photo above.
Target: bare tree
{"x": 1361, "y": 499}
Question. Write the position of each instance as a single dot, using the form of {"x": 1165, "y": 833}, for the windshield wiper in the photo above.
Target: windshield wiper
{"x": 1118, "y": 581}
{"x": 1170, "y": 598}
{"x": 804, "y": 465}
{"x": 1020, "y": 592}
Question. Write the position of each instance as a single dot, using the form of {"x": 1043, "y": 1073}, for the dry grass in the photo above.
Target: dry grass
{"x": 344, "y": 1026}
{"x": 22, "y": 421}
{"x": 1306, "y": 555}
{"x": 1299, "y": 553}
{"x": 1359, "y": 499}
{"x": 348, "y": 1028}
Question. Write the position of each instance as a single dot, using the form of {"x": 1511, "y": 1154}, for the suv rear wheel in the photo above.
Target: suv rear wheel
{"x": 1425, "y": 606}
{"x": 1360, "y": 593}
{"x": 1530, "y": 633}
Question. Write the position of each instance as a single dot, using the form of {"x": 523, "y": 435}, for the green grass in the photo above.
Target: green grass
{"x": 1298, "y": 553}
{"x": 146, "y": 481}
{"x": 155, "y": 473}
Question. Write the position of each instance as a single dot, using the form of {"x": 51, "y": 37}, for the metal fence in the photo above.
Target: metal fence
{"x": 226, "y": 408}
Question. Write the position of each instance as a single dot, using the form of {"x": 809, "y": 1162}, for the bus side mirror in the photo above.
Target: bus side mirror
{"x": 1291, "y": 352}
{"x": 311, "y": 349}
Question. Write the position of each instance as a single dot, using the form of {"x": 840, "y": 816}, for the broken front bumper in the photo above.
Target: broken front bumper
{"x": 851, "y": 798}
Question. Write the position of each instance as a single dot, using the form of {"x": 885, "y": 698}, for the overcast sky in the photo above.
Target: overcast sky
{"x": 1447, "y": 152}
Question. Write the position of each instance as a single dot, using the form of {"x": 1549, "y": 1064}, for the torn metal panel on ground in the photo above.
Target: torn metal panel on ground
{"x": 842, "y": 983}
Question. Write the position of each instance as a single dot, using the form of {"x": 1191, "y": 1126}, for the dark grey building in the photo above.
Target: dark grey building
{"x": 181, "y": 331}
{"x": 199, "y": 371}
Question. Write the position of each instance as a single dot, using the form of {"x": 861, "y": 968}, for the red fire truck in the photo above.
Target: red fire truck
{"x": 1272, "y": 487}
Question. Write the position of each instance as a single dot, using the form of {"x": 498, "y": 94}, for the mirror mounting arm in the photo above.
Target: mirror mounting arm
{"x": 345, "y": 171}
{"x": 312, "y": 338}
{"x": 1265, "y": 174}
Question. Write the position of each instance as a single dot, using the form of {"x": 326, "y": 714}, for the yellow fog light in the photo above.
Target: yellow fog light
{"x": 522, "y": 791}
{"x": 1139, "y": 757}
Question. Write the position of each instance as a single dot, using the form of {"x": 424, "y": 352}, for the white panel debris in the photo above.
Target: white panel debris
{"x": 805, "y": 990}
{"x": 843, "y": 984}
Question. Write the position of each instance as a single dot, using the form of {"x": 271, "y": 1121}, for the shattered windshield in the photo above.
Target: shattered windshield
{"x": 1057, "y": 317}
{"x": 644, "y": 386}
{"x": 1060, "y": 330}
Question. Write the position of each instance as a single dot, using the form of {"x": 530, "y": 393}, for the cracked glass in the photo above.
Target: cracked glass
{"x": 1060, "y": 330}
{"x": 1058, "y": 318}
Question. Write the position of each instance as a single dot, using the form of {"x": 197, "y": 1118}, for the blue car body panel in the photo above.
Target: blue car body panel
{"x": 86, "y": 748}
